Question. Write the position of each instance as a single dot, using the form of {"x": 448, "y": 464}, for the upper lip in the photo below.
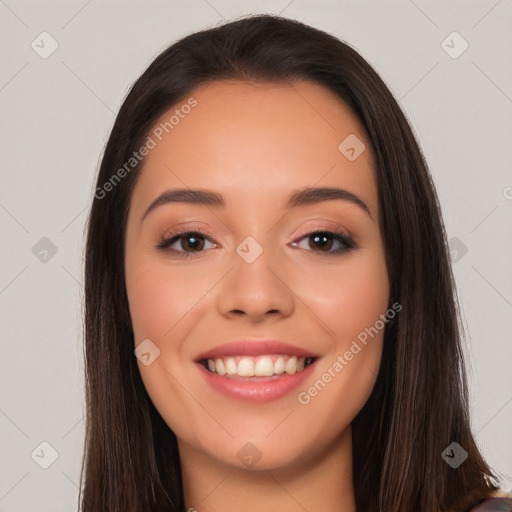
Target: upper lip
{"x": 247, "y": 347}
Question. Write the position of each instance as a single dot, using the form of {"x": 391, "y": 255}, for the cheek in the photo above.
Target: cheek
{"x": 163, "y": 304}
{"x": 159, "y": 297}
{"x": 148, "y": 298}
{"x": 350, "y": 298}
{"x": 353, "y": 306}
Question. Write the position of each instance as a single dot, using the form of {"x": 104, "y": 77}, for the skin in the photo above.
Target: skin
{"x": 255, "y": 144}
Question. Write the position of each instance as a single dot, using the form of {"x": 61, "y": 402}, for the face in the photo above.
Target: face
{"x": 249, "y": 266}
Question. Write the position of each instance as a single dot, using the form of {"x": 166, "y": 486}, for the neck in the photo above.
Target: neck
{"x": 324, "y": 482}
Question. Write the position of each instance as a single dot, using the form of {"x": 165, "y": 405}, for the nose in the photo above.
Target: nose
{"x": 256, "y": 290}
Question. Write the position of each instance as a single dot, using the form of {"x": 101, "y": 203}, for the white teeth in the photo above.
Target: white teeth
{"x": 291, "y": 365}
{"x": 262, "y": 366}
{"x": 279, "y": 366}
{"x": 246, "y": 367}
{"x": 219, "y": 366}
{"x": 231, "y": 366}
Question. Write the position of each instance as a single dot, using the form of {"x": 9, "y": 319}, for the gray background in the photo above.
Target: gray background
{"x": 56, "y": 113}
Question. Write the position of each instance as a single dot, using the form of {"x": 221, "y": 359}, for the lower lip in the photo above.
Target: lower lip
{"x": 256, "y": 391}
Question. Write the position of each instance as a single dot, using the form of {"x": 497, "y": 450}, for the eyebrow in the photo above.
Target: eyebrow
{"x": 302, "y": 197}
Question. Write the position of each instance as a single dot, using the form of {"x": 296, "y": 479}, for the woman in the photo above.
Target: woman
{"x": 236, "y": 359}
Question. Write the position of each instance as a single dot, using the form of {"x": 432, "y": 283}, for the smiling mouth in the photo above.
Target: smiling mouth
{"x": 271, "y": 366}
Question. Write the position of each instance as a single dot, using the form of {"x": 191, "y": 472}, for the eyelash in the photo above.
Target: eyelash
{"x": 339, "y": 235}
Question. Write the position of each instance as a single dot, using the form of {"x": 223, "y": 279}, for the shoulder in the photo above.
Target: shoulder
{"x": 498, "y": 503}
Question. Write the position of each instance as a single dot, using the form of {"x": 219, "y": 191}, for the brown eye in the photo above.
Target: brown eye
{"x": 192, "y": 241}
{"x": 187, "y": 243}
{"x": 323, "y": 242}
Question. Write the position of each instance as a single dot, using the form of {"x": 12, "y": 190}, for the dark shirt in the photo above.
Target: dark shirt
{"x": 497, "y": 504}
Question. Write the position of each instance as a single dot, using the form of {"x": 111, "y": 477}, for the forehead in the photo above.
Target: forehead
{"x": 256, "y": 141}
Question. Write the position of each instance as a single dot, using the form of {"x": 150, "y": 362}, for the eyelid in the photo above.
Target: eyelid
{"x": 197, "y": 227}
{"x": 189, "y": 228}
{"x": 326, "y": 225}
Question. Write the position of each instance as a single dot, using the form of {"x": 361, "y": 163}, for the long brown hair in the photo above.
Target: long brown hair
{"x": 419, "y": 404}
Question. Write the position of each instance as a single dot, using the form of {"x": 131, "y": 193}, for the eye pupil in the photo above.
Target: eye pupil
{"x": 195, "y": 241}
{"x": 320, "y": 238}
